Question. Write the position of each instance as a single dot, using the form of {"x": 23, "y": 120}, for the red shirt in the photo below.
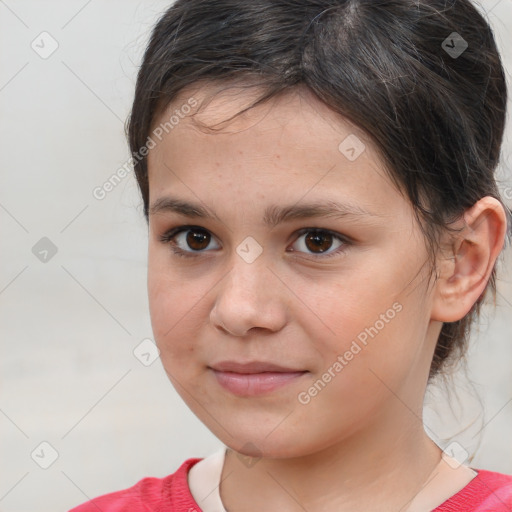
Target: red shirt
{"x": 487, "y": 492}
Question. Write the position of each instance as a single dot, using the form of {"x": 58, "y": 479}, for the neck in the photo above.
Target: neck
{"x": 373, "y": 470}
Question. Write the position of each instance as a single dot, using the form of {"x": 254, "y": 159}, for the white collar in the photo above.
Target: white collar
{"x": 204, "y": 481}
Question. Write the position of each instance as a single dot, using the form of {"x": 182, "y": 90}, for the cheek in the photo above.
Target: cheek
{"x": 172, "y": 308}
{"x": 343, "y": 309}
{"x": 372, "y": 321}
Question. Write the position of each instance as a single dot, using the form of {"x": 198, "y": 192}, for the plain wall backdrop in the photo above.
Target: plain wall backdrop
{"x": 73, "y": 300}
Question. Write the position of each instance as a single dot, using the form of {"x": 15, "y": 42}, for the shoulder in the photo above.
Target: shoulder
{"x": 487, "y": 491}
{"x": 498, "y": 485}
{"x": 148, "y": 494}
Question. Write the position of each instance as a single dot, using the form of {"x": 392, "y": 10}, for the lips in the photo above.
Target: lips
{"x": 254, "y": 378}
{"x": 251, "y": 367}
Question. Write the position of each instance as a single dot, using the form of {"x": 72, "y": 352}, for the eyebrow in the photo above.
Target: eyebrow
{"x": 274, "y": 214}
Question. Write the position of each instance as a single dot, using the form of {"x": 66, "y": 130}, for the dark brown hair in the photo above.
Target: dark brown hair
{"x": 392, "y": 67}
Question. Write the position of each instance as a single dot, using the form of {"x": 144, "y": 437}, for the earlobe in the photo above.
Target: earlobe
{"x": 463, "y": 277}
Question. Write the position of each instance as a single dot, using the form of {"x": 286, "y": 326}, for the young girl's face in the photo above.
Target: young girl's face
{"x": 296, "y": 311}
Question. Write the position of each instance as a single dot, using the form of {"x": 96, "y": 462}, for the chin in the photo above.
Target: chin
{"x": 257, "y": 442}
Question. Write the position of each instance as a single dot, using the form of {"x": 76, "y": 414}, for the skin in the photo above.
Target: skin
{"x": 359, "y": 443}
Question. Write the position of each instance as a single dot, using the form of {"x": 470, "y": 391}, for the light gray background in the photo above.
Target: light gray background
{"x": 69, "y": 325}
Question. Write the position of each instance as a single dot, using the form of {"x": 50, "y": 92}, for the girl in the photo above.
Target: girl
{"x": 324, "y": 222}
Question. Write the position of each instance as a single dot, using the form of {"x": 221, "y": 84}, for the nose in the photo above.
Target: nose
{"x": 250, "y": 298}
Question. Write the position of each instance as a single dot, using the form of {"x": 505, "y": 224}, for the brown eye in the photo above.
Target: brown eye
{"x": 318, "y": 241}
{"x": 188, "y": 240}
{"x": 197, "y": 239}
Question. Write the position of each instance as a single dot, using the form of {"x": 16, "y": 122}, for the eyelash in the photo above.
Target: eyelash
{"x": 169, "y": 236}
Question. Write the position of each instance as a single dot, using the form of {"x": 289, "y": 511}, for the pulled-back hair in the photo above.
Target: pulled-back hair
{"x": 392, "y": 67}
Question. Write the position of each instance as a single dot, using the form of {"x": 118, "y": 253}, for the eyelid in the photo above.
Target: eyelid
{"x": 345, "y": 241}
{"x": 168, "y": 237}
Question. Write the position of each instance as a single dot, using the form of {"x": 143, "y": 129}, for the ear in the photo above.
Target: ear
{"x": 463, "y": 274}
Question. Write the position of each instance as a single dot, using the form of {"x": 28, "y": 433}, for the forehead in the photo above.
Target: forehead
{"x": 231, "y": 107}
{"x": 292, "y": 140}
